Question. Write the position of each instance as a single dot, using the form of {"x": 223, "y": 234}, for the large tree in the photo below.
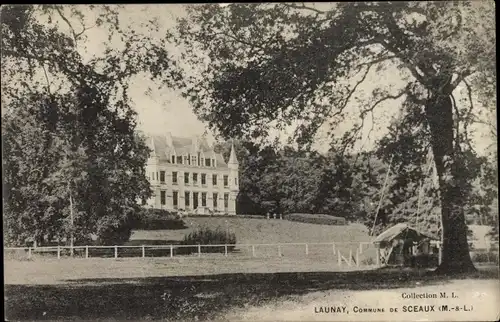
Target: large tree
{"x": 73, "y": 163}
{"x": 269, "y": 65}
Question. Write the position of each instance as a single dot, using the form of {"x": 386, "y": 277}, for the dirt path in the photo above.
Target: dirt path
{"x": 481, "y": 297}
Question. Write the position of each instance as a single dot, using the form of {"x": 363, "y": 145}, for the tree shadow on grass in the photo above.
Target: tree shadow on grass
{"x": 194, "y": 297}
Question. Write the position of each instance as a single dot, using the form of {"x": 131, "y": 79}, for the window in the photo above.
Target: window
{"x": 195, "y": 200}
{"x": 194, "y": 160}
{"x": 226, "y": 200}
{"x": 152, "y": 175}
{"x": 207, "y": 162}
{"x": 203, "y": 199}
{"x": 156, "y": 175}
{"x": 173, "y": 159}
{"x": 175, "y": 198}
{"x": 202, "y": 163}
{"x": 163, "y": 199}
{"x": 186, "y": 198}
{"x": 195, "y": 178}
{"x": 214, "y": 179}
{"x": 213, "y": 163}
{"x": 186, "y": 159}
{"x": 203, "y": 179}
{"x": 189, "y": 159}
{"x": 235, "y": 181}
{"x": 179, "y": 159}
{"x": 226, "y": 181}
{"x": 174, "y": 177}
{"x": 199, "y": 158}
{"x": 186, "y": 177}
{"x": 215, "y": 200}
{"x": 162, "y": 176}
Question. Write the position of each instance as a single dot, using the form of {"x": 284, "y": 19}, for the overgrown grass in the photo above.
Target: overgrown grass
{"x": 208, "y": 236}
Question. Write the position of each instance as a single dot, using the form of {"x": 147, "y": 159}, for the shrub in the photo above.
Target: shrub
{"x": 155, "y": 219}
{"x": 316, "y": 219}
{"x": 208, "y": 236}
{"x": 485, "y": 257}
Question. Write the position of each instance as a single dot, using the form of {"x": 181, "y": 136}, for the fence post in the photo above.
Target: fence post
{"x": 333, "y": 247}
{"x": 350, "y": 257}
{"x": 253, "y": 250}
{"x": 87, "y": 251}
{"x": 339, "y": 259}
{"x": 279, "y": 251}
{"x": 143, "y": 251}
{"x": 29, "y": 252}
{"x": 225, "y": 250}
{"x": 58, "y": 252}
{"x": 116, "y": 251}
{"x": 171, "y": 251}
{"x": 377, "y": 248}
{"x": 307, "y": 249}
{"x": 357, "y": 258}
{"x": 199, "y": 250}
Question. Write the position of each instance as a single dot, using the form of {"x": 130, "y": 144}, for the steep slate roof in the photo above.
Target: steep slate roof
{"x": 182, "y": 146}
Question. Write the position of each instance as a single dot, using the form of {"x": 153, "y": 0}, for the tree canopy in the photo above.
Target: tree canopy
{"x": 266, "y": 66}
{"x": 73, "y": 161}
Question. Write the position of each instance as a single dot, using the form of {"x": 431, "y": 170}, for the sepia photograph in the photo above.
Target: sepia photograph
{"x": 261, "y": 161}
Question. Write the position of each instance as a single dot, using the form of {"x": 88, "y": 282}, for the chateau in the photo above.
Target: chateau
{"x": 186, "y": 174}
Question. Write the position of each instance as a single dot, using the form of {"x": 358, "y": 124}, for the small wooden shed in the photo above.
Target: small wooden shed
{"x": 399, "y": 244}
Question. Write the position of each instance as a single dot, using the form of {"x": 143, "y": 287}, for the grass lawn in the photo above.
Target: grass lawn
{"x": 259, "y": 231}
{"x": 210, "y": 288}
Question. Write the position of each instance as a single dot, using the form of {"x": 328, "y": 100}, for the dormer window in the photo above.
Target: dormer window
{"x": 179, "y": 159}
{"x": 207, "y": 162}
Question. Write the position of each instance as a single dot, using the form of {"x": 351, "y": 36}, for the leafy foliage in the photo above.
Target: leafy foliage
{"x": 73, "y": 162}
{"x": 271, "y": 65}
{"x": 207, "y": 236}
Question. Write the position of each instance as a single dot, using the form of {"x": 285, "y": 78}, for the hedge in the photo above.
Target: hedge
{"x": 208, "y": 236}
{"x": 319, "y": 219}
{"x": 155, "y": 219}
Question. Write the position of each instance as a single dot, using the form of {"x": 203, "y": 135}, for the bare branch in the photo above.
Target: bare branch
{"x": 73, "y": 32}
{"x": 46, "y": 78}
{"x": 304, "y": 7}
{"x": 383, "y": 99}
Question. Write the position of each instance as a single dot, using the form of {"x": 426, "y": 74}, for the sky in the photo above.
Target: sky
{"x": 164, "y": 110}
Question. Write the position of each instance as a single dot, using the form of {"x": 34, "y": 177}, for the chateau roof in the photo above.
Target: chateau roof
{"x": 164, "y": 146}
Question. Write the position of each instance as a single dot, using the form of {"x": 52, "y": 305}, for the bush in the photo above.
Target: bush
{"x": 316, "y": 219}
{"x": 155, "y": 219}
{"x": 485, "y": 257}
{"x": 208, "y": 236}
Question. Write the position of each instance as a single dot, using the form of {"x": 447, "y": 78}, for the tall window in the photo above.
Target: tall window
{"x": 179, "y": 159}
{"x": 199, "y": 158}
{"x": 189, "y": 159}
{"x": 202, "y": 162}
{"x": 207, "y": 162}
{"x": 152, "y": 175}
{"x": 203, "y": 199}
{"x": 186, "y": 159}
{"x": 174, "y": 177}
{"x": 193, "y": 160}
{"x": 195, "y": 178}
{"x": 163, "y": 197}
{"x": 215, "y": 200}
{"x": 173, "y": 159}
{"x": 186, "y": 198}
{"x": 195, "y": 200}
{"x": 186, "y": 177}
{"x": 203, "y": 179}
{"x": 156, "y": 175}
{"x": 214, "y": 179}
{"x": 213, "y": 163}
{"x": 175, "y": 198}
{"x": 162, "y": 176}
{"x": 226, "y": 181}
{"x": 226, "y": 200}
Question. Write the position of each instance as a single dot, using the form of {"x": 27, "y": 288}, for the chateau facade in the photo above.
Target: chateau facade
{"x": 187, "y": 175}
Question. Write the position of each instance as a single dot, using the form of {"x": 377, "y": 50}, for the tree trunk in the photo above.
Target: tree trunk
{"x": 455, "y": 249}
